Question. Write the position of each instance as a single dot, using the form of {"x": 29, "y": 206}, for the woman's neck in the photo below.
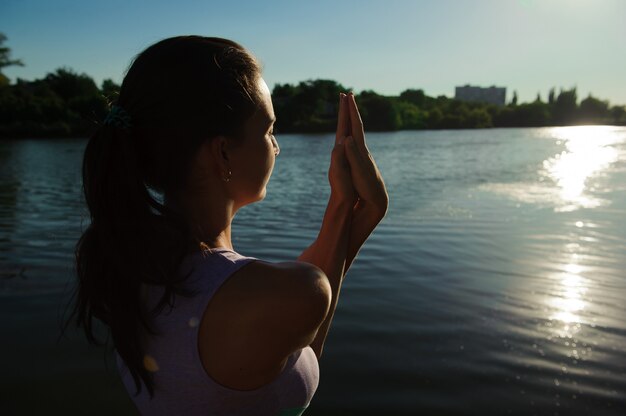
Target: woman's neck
{"x": 208, "y": 219}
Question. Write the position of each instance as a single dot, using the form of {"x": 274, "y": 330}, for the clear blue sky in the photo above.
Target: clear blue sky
{"x": 383, "y": 45}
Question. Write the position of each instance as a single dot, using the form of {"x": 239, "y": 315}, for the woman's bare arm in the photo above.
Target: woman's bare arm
{"x": 358, "y": 202}
{"x": 329, "y": 252}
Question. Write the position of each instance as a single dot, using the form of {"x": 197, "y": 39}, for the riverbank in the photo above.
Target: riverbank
{"x": 61, "y": 134}
{"x": 67, "y": 104}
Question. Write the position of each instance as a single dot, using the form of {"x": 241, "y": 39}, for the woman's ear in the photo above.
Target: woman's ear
{"x": 220, "y": 152}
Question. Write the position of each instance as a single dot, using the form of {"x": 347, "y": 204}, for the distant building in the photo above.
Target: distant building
{"x": 491, "y": 95}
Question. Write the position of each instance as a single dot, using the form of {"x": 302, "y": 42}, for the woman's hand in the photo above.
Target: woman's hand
{"x": 366, "y": 178}
{"x": 339, "y": 173}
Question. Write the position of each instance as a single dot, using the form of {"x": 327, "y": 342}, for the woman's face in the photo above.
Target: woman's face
{"x": 252, "y": 160}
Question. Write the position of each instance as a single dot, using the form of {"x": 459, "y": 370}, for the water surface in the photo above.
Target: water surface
{"x": 494, "y": 285}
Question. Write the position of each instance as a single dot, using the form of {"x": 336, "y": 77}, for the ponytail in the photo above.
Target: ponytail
{"x": 126, "y": 244}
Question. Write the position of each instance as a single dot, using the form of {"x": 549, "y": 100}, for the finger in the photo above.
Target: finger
{"x": 343, "y": 119}
{"x": 355, "y": 160}
{"x": 351, "y": 153}
{"x": 337, "y": 152}
{"x": 365, "y": 177}
{"x": 364, "y": 165}
{"x": 356, "y": 123}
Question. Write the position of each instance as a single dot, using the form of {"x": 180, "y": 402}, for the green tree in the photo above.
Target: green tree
{"x": 80, "y": 94}
{"x": 478, "y": 118}
{"x": 378, "y": 112}
{"x": 68, "y": 84}
{"x": 5, "y": 59}
{"x": 415, "y": 97}
{"x": 434, "y": 118}
{"x": 284, "y": 107}
{"x": 618, "y": 113}
{"x": 594, "y": 110}
{"x": 110, "y": 90}
{"x": 411, "y": 117}
{"x": 32, "y": 109}
{"x": 63, "y": 103}
{"x": 534, "y": 114}
{"x": 311, "y": 106}
{"x": 565, "y": 107}
{"x": 503, "y": 116}
{"x": 514, "y": 99}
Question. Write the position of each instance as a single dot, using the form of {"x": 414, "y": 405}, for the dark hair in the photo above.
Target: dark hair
{"x": 179, "y": 92}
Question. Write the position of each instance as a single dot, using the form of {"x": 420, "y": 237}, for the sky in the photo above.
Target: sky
{"x": 387, "y": 46}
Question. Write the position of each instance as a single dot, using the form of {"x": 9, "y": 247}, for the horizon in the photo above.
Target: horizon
{"x": 521, "y": 45}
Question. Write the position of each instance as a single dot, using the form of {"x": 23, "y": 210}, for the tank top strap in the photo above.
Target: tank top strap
{"x": 210, "y": 268}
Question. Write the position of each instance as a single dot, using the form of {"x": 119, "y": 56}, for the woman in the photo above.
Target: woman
{"x": 197, "y": 327}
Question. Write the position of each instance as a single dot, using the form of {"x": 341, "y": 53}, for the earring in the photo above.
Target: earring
{"x": 226, "y": 178}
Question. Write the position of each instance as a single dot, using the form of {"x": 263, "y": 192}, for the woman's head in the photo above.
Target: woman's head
{"x": 182, "y": 91}
{"x": 182, "y": 94}
{"x": 235, "y": 171}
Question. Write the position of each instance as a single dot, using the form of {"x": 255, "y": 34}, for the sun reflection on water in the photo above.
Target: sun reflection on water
{"x": 570, "y": 300}
{"x": 567, "y": 180}
{"x": 567, "y": 310}
{"x": 588, "y": 151}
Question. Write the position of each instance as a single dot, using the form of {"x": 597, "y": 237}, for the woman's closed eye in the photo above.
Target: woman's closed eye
{"x": 274, "y": 143}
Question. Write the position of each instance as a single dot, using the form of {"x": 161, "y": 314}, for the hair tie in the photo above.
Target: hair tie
{"x": 117, "y": 117}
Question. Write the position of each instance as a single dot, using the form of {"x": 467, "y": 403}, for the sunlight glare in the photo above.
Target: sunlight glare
{"x": 588, "y": 151}
{"x": 572, "y": 288}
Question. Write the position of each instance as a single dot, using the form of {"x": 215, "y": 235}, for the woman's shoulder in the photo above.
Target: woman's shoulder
{"x": 276, "y": 298}
{"x": 257, "y": 273}
{"x": 261, "y": 281}
{"x": 275, "y": 307}
{"x": 247, "y": 280}
{"x": 261, "y": 273}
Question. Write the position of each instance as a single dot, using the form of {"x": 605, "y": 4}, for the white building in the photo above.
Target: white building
{"x": 492, "y": 95}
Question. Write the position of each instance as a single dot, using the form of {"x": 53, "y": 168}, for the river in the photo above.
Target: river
{"x": 495, "y": 284}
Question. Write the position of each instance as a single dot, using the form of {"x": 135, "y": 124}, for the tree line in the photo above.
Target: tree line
{"x": 310, "y": 107}
{"x": 66, "y": 103}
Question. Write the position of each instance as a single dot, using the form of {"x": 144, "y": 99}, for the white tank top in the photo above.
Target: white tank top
{"x": 182, "y": 386}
